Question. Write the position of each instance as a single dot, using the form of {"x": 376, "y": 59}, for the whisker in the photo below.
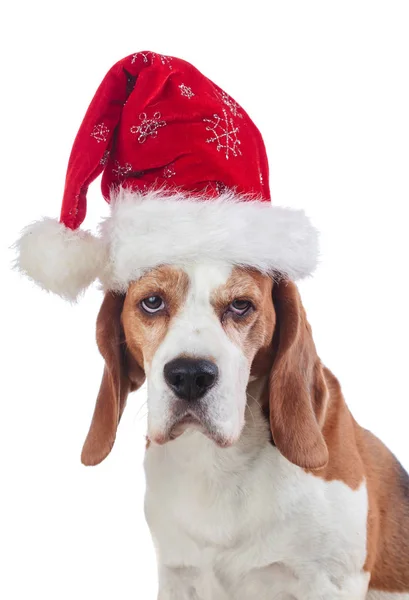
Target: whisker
{"x": 141, "y": 407}
{"x": 252, "y": 416}
{"x": 139, "y": 417}
{"x": 142, "y": 417}
{"x": 255, "y": 399}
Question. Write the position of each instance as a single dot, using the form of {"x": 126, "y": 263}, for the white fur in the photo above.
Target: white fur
{"x": 196, "y": 331}
{"x": 243, "y": 522}
{"x": 58, "y": 259}
{"x": 147, "y": 230}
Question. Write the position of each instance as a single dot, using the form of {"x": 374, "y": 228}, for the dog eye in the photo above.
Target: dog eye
{"x": 152, "y": 304}
{"x": 240, "y": 307}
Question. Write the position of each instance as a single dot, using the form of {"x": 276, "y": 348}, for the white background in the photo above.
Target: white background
{"x": 327, "y": 84}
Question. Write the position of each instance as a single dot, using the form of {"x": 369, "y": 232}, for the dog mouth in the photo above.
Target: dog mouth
{"x": 187, "y": 421}
{"x": 195, "y": 422}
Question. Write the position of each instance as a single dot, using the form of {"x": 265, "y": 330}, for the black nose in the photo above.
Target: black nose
{"x": 190, "y": 378}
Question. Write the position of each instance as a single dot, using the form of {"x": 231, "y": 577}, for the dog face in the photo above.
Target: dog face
{"x": 196, "y": 332}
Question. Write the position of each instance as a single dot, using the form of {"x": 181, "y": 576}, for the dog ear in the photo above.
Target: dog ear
{"x": 298, "y": 392}
{"x": 121, "y": 375}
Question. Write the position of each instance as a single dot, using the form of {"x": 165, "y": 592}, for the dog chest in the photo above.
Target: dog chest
{"x": 246, "y": 514}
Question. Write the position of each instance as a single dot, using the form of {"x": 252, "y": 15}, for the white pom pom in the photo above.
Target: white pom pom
{"x": 59, "y": 259}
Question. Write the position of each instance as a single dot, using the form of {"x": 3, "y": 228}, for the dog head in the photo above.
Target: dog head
{"x": 198, "y": 334}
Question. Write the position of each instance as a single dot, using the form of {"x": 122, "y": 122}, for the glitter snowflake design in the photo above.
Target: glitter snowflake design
{"x": 104, "y": 158}
{"x": 169, "y": 171}
{"x": 224, "y": 134}
{"x": 148, "y": 127}
{"x": 228, "y": 101}
{"x": 100, "y": 132}
{"x": 121, "y": 171}
{"x": 144, "y": 55}
{"x": 165, "y": 60}
{"x": 185, "y": 90}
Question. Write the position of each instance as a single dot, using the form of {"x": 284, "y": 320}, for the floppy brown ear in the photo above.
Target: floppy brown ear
{"x": 298, "y": 391}
{"x": 121, "y": 375}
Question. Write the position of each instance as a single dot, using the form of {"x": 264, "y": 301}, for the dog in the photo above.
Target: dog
{"x": 259, "y": 482}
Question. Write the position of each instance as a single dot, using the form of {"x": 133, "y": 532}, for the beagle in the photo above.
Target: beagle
{"x": 259, "y": 482}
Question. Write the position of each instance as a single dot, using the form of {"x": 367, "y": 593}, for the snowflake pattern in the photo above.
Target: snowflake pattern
{"x": 148, "y": 127}
{"x": 169, "y": 172}
{"x": 104, "y": 158}
{"x": 121, "y": 171}
{"x": 228, "y": 101}
{"x": 224, "y": 134}
{"x": 185, "y": 90}
{"x": 144, "y": 57}
{"x": 100, "y": 132}
{"x": 165, "y": 60}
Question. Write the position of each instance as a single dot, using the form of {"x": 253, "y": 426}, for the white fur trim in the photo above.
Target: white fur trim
{"x": 58, "y": 259}
{"x": 147, "y": 230}
{"x": 160, "y": 227}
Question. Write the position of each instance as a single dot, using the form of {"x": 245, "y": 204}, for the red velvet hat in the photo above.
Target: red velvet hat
{"x": 185, "y": 172}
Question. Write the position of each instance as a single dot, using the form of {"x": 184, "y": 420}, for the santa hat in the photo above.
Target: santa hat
{"x": 185, "y": 172}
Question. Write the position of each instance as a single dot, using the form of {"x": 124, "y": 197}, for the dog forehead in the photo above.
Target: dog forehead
{"x": 204, "y": 280}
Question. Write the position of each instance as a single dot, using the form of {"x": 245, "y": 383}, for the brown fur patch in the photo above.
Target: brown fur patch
{"x": 339, "y": 431}
{"x": 252, "y": 332}
{"x": 388, "y": 518}
{"x": 144, "y": 332}
{"x": 356, "y": 454}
